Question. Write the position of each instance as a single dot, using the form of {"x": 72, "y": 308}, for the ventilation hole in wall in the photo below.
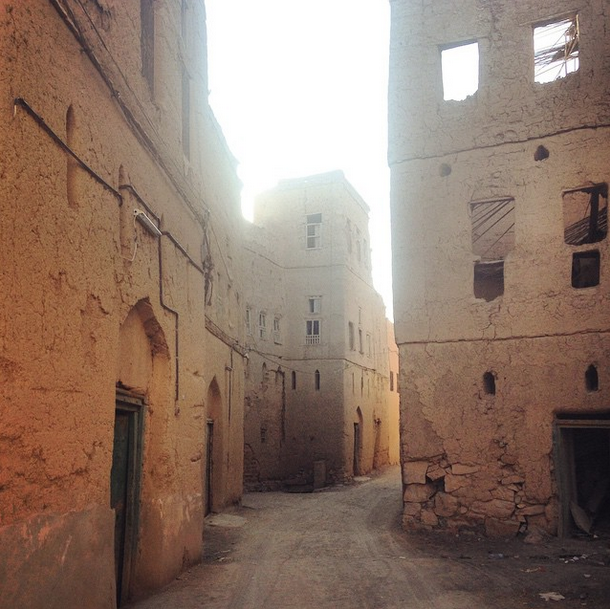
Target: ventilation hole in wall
{"x": 541, "y": 153}
{"x": 591, "y": 378}
{"x": 489, "y": 383}
{"x": 444, "y": 170}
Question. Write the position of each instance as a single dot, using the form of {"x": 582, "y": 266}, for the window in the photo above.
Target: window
{"x": 489, "y": 383}
{"x": 369, "y": 350}
{"x": 317, "y": 380}
{"x": 248, "y": 320}
{"x": 556, "y": 49}
{"x": 350, "y": 331}
{"x": 585, "y": 269}
{"x": 186, "y": 114}
{"x": 585, "y": 214}
{"x": 313, "y": 231}
{"x": 592, "y": 378}
{"x": 460, "y": 70}
{"x": 360, "y": 341}
{"x": 493, "y": 238}
{"x": 312, "y": 336}
{"x": 262, "y": 325}
{"x": 391, "y": 381}
{"x": 294, "y": 380}
{"x": 314, "y": 304}
{"x": 359, "y": 316}
{"x": 277, "y": 335}
{"x": 147, "y": 41}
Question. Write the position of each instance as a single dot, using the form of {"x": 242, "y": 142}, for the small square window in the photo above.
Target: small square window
{"x": 585, "y": 269}
{"x": 460, "y": 70}
{"x": 488, "y": 280}
{"x": 556, "y": 49}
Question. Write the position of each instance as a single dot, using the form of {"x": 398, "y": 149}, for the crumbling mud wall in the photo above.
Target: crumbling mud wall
{"x": 103, "y": 314}
{"x": 500, "y": 248}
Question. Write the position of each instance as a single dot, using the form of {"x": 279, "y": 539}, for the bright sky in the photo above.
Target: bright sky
{"x": 300, "y": 87}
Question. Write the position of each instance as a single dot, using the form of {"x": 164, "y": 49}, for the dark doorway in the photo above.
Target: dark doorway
{"x": 584, "y": 476}
{"x": 125, "y": 487}
{"x": 209, "y": 468}
{"x": 357, "y": 449}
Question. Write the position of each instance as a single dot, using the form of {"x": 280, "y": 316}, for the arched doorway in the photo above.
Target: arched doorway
{"x": 214, "y": 450}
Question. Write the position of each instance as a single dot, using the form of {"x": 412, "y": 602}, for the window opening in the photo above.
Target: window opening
{"x": 369, "y": 350}
{"x": 585, "y": 214}
{"x": 147, "y": 41}
{"x": 314, "y": 304}
{"x": 493, "y": 238}
{"x": 317, "y": 380}
{"x": 489, "y": 383}
{"x": 585, "y": 269}
{"x": 360, "y": 349}
{"x": 350, "y": 329}
{"x": 592, "y": 378}
{"x": 277, "y": 335}
{"x": 186, "y": 114}
{"x": 556, "y": 49}
{"x": 249, "y": 320}
{"x": 294, "y": 380}
{"x": 262, "y": 325}
{"x": 312, "y": 336}
{"x": 460, "y": 71}
{"x": 391, "y": 381}
{"x": 313, "y": 231}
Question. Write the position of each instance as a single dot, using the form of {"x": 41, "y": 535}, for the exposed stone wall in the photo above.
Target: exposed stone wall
{"x": 92, "y": 301}
{"x": 485, "y": 381}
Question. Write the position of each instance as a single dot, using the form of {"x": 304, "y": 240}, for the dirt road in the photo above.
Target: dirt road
{"x": 343, "y": 549}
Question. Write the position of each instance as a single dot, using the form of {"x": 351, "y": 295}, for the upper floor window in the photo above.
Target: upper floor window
{"x": 277, "y": 334}
{"x": 369, "y": 347}
{"x": 249, "y": 320}
{"x": 460, "y": 70}
{"x": 350, "y": 329}
{"x": 585, "y": 214}
{"x": 312, "y": 332}
{"x": 314, "y": 231}
{"x": 556, "y": 49}
{"x": 147, "y": 41}
{"x": 314, "y": 304}
{"x": 262, "y": 325}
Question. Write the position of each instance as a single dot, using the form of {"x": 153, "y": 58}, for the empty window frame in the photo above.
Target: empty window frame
{"x": 312, "y": 332}
{"x": 313, "y": 232}
{"x": 556, "y": 48}
{"x": 585, "y": 269}
{"x": 585, "y": 214}
{"x": 262, "y": 325}
{"x": 493, "y": 238}
{"x": 314, "y": 304}
{"x": 460, "y": 70}
{"x": 277, "y": 334}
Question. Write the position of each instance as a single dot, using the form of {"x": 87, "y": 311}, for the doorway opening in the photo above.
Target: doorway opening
{"x": 125, "y": 479}
{"x": 583, "y": 456}
{"x": 209, "y": 486}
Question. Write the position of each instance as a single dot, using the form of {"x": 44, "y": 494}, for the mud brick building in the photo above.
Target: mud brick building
{"x": 319, "y": 406}
{"x": 500, "y": 159}
{"x": 121, "y": 371}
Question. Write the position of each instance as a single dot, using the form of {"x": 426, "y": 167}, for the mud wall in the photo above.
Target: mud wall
{"x": 485, "y": 376}
{"x": 93, "y": 301}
